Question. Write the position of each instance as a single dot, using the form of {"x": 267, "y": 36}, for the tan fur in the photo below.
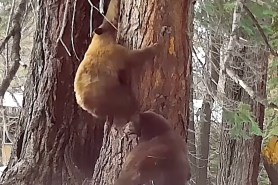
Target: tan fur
{"x": 161, "y": 154}
{"x": 113, "y": 11}
{"x": 100, "y": 84}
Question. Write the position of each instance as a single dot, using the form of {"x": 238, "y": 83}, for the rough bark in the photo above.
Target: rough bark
{"x": 164, "y": 84}
{"x": 57, "y": 142}
{"x": 240, "y": 158}
{"x": 15, "y": 54}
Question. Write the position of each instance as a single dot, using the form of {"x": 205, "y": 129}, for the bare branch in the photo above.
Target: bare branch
{"x": 5, "y": 41}
{"x": 91, "y": 21}
{"x": 72, "y": 30}
{"x": 14, "y": 98}
{"x": 229, "y": 58}
{"x": 63, "y": 28}
{"x": 234, "y": 33}
{"x": 249, "y": 90}
{"x": 92, "y": 5}
{"x": 10, "y": 17}
{"x": 101, "y": 6}
{"x": 272, "y": 51}
{"x": 7, "y": 32}
{"x": 7, "y": 80}
{"x": 15, "y": 54}
{"x": 200, "y": 62}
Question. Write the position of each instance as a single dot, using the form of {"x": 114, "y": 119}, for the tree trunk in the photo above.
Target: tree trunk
{"x": 164, "y": 84}
{"x": 57, "y": 143}
{"x": 203, "y": 148}
{"x": 240, "y": 158}
{"x": 206, "y": 110}
{"x": 191, "y": 140}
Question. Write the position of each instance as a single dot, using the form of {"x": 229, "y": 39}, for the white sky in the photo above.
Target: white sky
{"x": 10, "y": 102}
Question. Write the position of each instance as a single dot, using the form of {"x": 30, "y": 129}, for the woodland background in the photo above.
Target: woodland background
{"x": 217, "y": 76}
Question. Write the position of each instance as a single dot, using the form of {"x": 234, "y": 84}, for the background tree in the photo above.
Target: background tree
{"x": 191, "y": 140}
{"x": 244, "y": 78}
{"x": 231, "y": 70}
{"x": 16, "y": 29}
{"x": 54, "y": 134}
{"x": 57, "y": 142}
{"x": 164, "y": 86}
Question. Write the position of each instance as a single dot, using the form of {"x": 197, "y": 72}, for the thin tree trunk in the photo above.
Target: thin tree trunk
{"x": 164, "y": 84}
{"x": 191, "y": 126}
{"x": 192, "y": 141}
{"x": 206, "y": 110}
{"x": 57, "y": 143}
{"x": 203, "y": 148}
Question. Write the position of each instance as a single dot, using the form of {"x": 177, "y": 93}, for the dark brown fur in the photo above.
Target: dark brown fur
{"x": 101, "y": 83}
{"x": 160, "y": 156}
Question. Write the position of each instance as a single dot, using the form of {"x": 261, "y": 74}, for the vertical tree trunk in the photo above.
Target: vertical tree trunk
{"x": 203, "y": 148}
{"x": 57, "y": 142}
{"x": 191, "y": 140}
{"x": 240, "y": 158}
{"x": 164, "y": 84}
{"x": 206, "y": 110}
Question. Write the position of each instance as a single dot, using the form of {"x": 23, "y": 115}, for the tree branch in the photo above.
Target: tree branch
{"x": 261, "y": 31}
{"x": 5, "y": 41}
{"x": 100, "y": 11}
{"x": 248, "y": 89}
{"x": 229, "y": 58}
{"x": 15, "y": 100}
{"x": 15, "y": 53}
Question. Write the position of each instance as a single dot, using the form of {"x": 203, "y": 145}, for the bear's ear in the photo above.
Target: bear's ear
{"x": 98, "y": 31}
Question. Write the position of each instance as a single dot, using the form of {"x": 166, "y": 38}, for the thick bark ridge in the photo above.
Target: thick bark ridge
{"x": 164, "y": 85}
{"x": 58, "y": 143}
